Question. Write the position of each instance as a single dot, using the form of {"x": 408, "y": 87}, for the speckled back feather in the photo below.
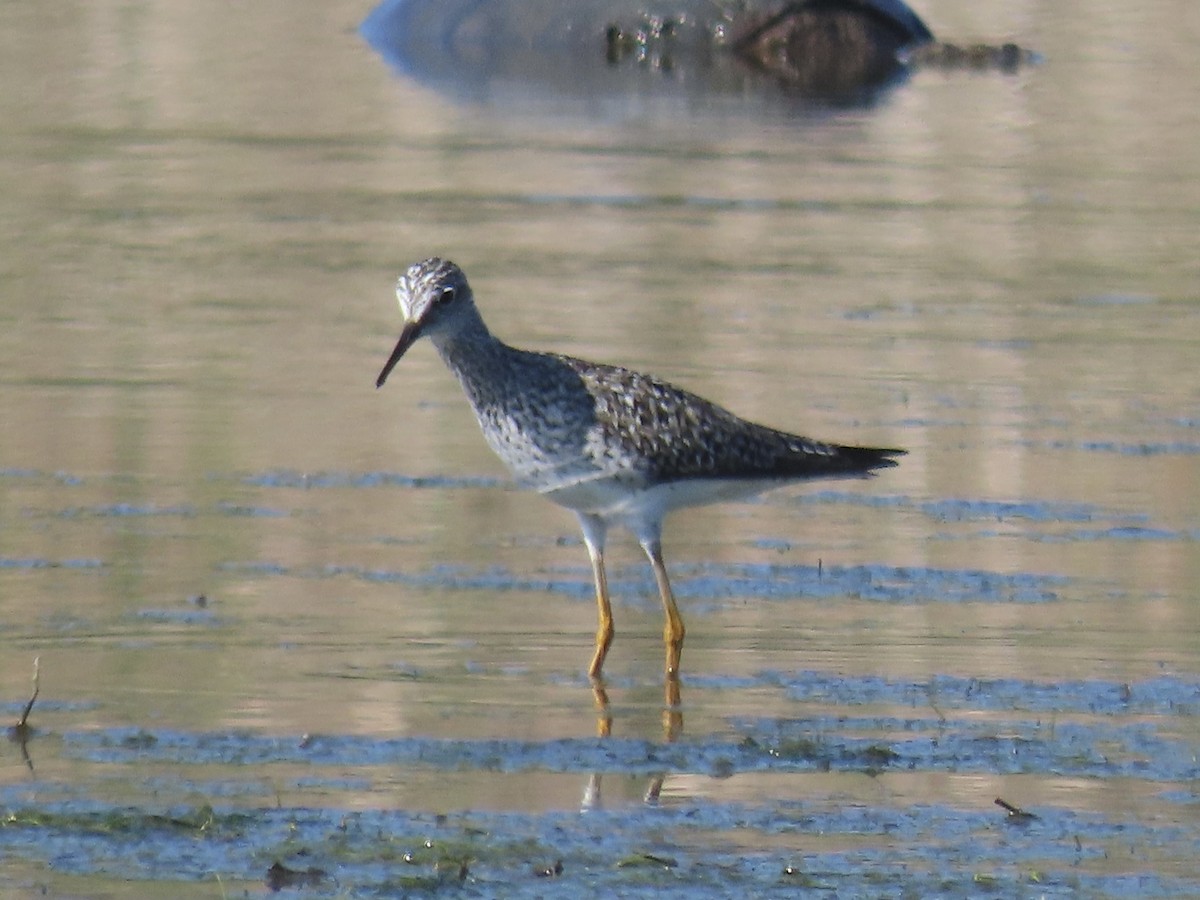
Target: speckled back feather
{"x": 556, "y": 420}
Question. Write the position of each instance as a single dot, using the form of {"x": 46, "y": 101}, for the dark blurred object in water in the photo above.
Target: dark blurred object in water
{"x": 833, "y": 50}
{"x": 824, "y": 52}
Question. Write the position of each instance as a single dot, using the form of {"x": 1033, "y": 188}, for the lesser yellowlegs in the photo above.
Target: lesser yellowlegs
{"x": 616, "y": 447}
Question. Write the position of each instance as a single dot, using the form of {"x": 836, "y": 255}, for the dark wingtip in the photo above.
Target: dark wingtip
{"x": 873, "y": 458}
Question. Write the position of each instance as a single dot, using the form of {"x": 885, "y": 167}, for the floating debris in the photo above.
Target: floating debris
{"x": 1015, "y": 813}
{"x": 549, "y": 871}
{"x": 648, "y": 860}
{"x": 22, "y": 731}
{"x": 280, "y": 876}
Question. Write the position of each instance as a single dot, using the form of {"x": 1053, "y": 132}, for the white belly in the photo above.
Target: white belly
{"x": 622, "y": 504}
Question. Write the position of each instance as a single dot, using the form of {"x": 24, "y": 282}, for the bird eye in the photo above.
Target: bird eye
{"x": 446, "y": 295}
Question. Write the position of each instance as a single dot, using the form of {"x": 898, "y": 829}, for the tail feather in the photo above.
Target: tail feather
{"x": 837, "y": 461}
{"x": 870, "y": 458}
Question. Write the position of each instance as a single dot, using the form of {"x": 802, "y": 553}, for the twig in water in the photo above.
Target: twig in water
{"x": 21, "y": 730}
{"x": 932, "y": 695}
{"x": 1015, "y": 812}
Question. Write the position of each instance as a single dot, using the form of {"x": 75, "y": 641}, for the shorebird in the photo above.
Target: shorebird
{"x": 616, "y": 447}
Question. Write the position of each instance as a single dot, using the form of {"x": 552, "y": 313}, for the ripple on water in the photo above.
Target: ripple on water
{"x": 41, "y": 562}
{"x": 708, "y": 849}
{"x": 1122, "y": 448}
{"x": 1084, "y": 729}
{"x": 965, "y": 508}
{"x": 286, "y": 478}
{"x": 713, "y": 848}
{"x": 711, "y": 581}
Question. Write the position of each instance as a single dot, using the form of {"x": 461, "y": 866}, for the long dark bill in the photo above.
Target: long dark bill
{"x": 410, "y": 333}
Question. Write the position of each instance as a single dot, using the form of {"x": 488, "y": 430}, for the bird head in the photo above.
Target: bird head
{"x": 433, "y": 296}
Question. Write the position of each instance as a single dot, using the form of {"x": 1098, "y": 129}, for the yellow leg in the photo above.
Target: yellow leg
{"x": 673, "y": 630}
{"x": 594, "y": 531}
{"x": 604, "y": 627}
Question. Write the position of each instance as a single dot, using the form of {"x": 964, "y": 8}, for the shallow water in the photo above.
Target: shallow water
{"x": 282, "y": 616}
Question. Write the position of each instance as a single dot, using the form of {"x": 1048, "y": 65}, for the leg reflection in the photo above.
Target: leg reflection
{"x": 591, "y": 792}
{"x": 603, "y": 713}
{"x": 672, "y": 719}
{"x": 672, "y": 729}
